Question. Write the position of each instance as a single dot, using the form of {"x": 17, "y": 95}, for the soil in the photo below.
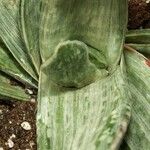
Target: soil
{"x": 17, "y": 119}
{"x": 17, "y": 125}
{"x": 139, "y": 14}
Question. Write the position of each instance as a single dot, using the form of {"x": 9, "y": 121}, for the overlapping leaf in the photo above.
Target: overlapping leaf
{"x": 141, "y": 36}
{"x": 11, "y": 67}
{"x": 30, "y": 15}
{"x": 92, "y": 22}
{"x": 142, "y": 48}
{"x": 95, "y": 116}
{"x": 8, "y": 91}
{"x": 11, "y": 34}
{"x": 138, "y": 136}
{"x": 139, "y": 76}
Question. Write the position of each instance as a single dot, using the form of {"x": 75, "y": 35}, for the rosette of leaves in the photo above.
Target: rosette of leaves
{"x": 91, "y": 85}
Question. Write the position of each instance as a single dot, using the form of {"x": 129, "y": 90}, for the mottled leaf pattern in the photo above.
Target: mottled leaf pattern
{"x": 94, "y": 117}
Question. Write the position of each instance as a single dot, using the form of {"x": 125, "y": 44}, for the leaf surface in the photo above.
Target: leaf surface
{"x": 11, "y": 67}
{"x": 8, "y": 91}
{"x": 142, "y": 48}
{"x": 30, "y": 15}
{"x": 138, "y": 135}
{"x": 94, "y": 117}
{"x": 11, "y": 35}
{"x": 84, "y": 21}
{"x": 141, "y": 36}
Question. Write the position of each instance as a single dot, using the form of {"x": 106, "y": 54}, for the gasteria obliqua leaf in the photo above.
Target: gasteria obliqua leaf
{"x": 81, "y": 105}
{"x": 141, "y": 36}
{"x": 11, "y": 35}
{"x": 11, "y": 67}
{"x": 142, "y": 48}
{"x": 30, "y": 15}
{"x": 70, "y": 66}
{"x": 138, "y": 69}
{"x": 8, "y": 91}
{"x": 94, "y": 117}
{"x": 93, "y": 22}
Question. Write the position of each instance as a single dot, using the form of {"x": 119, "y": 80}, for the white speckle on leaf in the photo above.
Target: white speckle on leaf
{"x": 26, "y": 126}
{"x": 29, "y": 91}
{"x": 22, "y": 60}
{"x": 148, "y": 95}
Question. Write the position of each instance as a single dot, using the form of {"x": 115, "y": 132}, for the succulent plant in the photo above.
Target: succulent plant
{"x": 91, "y": 74}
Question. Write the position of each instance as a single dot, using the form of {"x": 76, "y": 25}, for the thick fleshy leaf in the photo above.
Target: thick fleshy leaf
{"x": 8, "y": 91}
{"x": 141, "y": 36}
{"x": 74, "y": 35}
{"x": 11, "y": 35}
{"x": 72, "y": 66}
{"x": 94, "y": 117}
{"x": 142, "y": 48}
{"x": 11, "y": 67}
{"x": 138, "y": 135}
{"x": 30, "y": 15}
{"x": 94, "y": 22}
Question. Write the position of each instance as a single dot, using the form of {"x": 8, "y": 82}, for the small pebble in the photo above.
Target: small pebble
{"x": 10, "y": 143}
{"x": 33, "y": 100}
{"x": 1, "y": 148}
{"x": 12, "y": 136}
{"x": 147, "y": 1}
{"x": 32, "y": 144}
{"x": 1, "y": 111}
{"x": 26, "y": 126}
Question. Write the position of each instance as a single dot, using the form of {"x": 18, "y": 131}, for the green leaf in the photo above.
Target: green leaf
{"x": 71, "y": 65}
{"x": 94, "y": 117}
{"x": 11, "y": 35}
{"x": 8, "y": 91}
{"x": 141, "y": 36}
{"x": 30, "y": 15}
{"x": 138, "y": 135}
{"x": 11, "y": 67}
{"x": 142, "y": 48}
{"x": 75, "y": 38}
{"x": 92, "y": 22}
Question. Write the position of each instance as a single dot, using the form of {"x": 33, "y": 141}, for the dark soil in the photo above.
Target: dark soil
{"x": 139, "y": 14}
{"x": 12, "y": 133}
{"x": 13, "y": 113}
